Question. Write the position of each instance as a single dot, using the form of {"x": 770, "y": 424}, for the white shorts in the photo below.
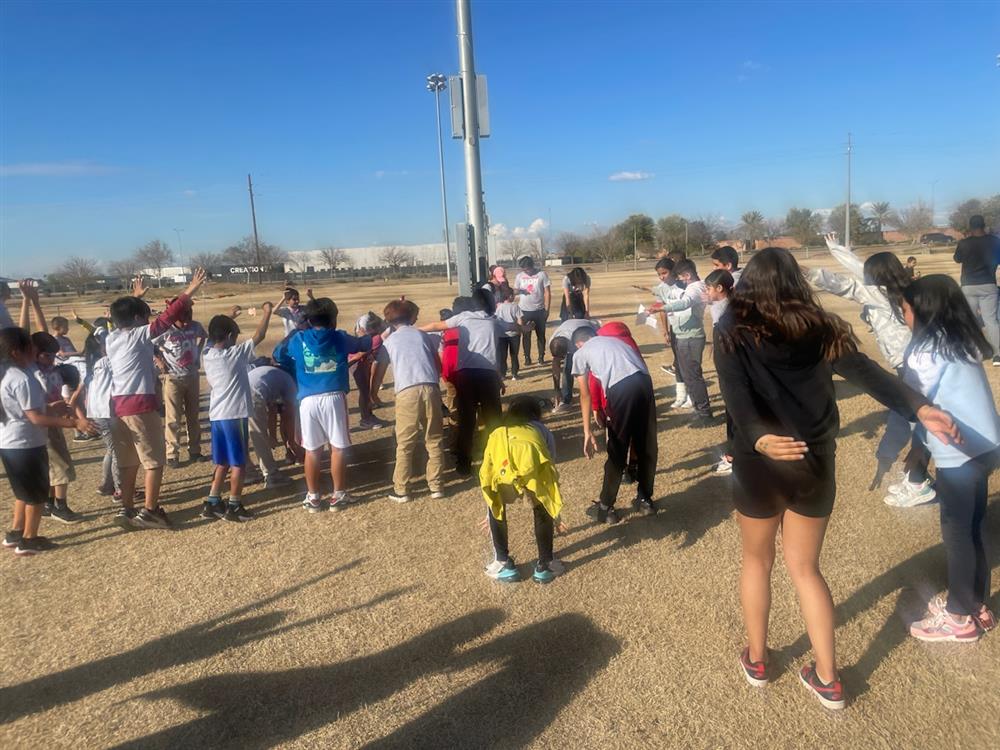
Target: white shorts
{"x": 323, "y": 420}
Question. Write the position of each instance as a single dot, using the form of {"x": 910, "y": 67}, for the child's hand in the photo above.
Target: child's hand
{"x": 197, "y": 279}
{"x": 589, "y": 444}
{"x": 484, "y": 525}
{"x": 87, "y": 426}
{"x": 138, "y": 288}
{"x": 235, "y": 312}
{"x": 561, "y": 528}
{"x": 781, "y": 448}
{"x": 831, "y": 239}
{"x": 940, "y": 424}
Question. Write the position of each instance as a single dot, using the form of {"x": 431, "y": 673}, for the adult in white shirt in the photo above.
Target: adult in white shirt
{"x": 534, "y": 297}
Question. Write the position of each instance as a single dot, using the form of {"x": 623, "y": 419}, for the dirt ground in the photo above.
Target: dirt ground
{"x": 375, "y": 626}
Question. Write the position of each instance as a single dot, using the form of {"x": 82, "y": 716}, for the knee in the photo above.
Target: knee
{"x": 759, "y": 560}
{"x": 802, "y": 569}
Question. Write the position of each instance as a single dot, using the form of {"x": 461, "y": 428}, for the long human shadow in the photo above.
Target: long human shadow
{"x": 229, "y": 630}
{"x": 539, "y": 669}
{"x": 913, "y": 582}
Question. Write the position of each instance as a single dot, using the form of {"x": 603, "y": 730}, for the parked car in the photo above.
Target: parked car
{"x": 936, "y": 238}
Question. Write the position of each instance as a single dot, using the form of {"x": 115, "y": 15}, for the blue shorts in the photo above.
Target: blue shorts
{"x": 229, "y": 442}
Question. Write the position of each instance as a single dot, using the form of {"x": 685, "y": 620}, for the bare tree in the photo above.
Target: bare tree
{"x": 773, "y": 228}
{"x": 204, "y": 260}
{"x": 518, "y": 247}
{"x": 154, "y": 256}
{"x": 335, "y": 257}
{"x": 395, "y": 258}
{"x": 124, "y": 270}
{"x": 244, "y": 255}
{"x": 914, "y": 220}
{"x": 78, "y": 272}
{"x": 751, "y": 228}
{"x": 607, "y": 246}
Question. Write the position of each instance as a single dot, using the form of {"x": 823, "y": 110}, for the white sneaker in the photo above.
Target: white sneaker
{"x": 340, "y": 499}
{"x": 906, "y": 494}
{"x": 724, "y": 468}
{"x": 687, "y": 403}
{"x": 560, "y": 408}
{"x": 437, "y": 494}
{"x": 400, "y": 498}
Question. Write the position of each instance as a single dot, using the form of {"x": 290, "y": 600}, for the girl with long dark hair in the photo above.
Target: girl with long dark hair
{"x": 576, "y": 295}
{"x": 776, "y": 353}
{"x": 945, "y": 362}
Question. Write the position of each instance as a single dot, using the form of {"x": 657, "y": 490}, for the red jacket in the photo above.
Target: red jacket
{"x": 449, "y": 353}
{"x": 617, "y": 330}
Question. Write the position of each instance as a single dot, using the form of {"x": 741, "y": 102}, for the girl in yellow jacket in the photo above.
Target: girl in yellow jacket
{"x": 519, "y": 462}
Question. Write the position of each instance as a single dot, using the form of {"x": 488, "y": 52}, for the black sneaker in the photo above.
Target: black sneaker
{"x": 82, "y": 437}
{"x": 62, "y": 512}
{"x": 153, "y": 519}
{"x": 12, "y": 538}
{"x": 173, "y": 463}
{"x": 830, "y": 695}
{"x": 527, "y": 362}
{"x": 212, "y": 510}
{"x": 996, "y": 361}
{"x": 644, "y": 506}
{"x": 603, "y": 513}
{"x": 126, "y": 518}
{"x": 237, "y": 513}
{"x": 197, "y": 458}
{"x": 33, "y": 546}
{"x": 47, "y": 510}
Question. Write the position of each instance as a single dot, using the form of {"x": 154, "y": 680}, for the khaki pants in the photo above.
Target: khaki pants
{"x": 418, "y": 413}
{"x": 259, "y": 438}
{"x": 61, "y": 469}
{"x": 139, "y": 441}
{"x": 181, "y": 398}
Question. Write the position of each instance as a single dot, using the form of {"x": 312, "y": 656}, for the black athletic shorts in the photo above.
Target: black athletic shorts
{"x": 27, "y": 471}
{"x": 764, "y": 488}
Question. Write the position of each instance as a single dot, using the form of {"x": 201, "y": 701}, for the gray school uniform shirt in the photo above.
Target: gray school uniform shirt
{"x": 608, "y": 359}
{"x": 569, "y": 327}
{"x": 413, "y": 355}
{"x": 477, "y": 343}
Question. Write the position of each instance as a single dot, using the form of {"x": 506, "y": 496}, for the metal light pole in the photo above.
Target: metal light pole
{"x": 475, "y": 207}
{"x": 847, "y": 211}
{"x": 436, "y": 82}
{"x": 256, "y": 243}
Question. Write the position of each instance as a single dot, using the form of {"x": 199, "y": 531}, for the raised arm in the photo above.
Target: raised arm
{"x": 258, "y": 337}
{"x": 36, "y": 306}
{"x": 22, "y": 319}
{"x": 87, "y": 326}
{"x": 845, "y": 257}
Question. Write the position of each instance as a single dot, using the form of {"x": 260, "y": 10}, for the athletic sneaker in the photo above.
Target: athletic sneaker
{"x": 996, "y": 361}
{"x": 754, "y": 671}
{"x": 47, "y": 510}
{"x": 603, "y": 513}
{"x": 644, "y": 506}
{"x": 12, "y": 538}
{"x": 373, "y": 423}
{"x": 62, "y": 512}
{"x": 105, "y": 492}
{"x": 153, "y": 519}
{"x": 906, "y": 494}
{"x": 543, "y": 573}
{"x": 437, "y": 494}
{"x": 28, "y": 547}
{"x": 276, "y": 480}
{"x": 83, "y": 437}
{"x": 560, "y": 408}
{"x": 173, "y": 463}
{"x": 212, "y": 510}
{"x": 724, "y": 468}
{"x": 126, "y": 518}
{"x": 312, "y": 504}
{"x": 945, "y": 626}
{"x": 527, "y": 362}
{"x": 686, "y": 403}
{"x": 197, "y": 458}
{"x": 404, "y": 498}
{"x": 984, "y": 618}
{"x": 831, "y": 696}
{"x": 505, "y": 572}
{"x": 236, "y": 512}
{"x": 340, "y": 500}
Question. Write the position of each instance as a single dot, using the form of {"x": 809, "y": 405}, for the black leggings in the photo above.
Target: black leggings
{"x": 631, "y": 421}
{"x": 539, "y": 318}
{"x": 511, "y": 344}
{"x": 475, "y": 391}
{"x": 962, "y": 494}
{"x": 544, "y": 530}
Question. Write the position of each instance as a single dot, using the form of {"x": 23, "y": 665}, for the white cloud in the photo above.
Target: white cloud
{"x": 382, "y": 173}
{"x": 189, "y": 193}
{"x": 630, "y": 176}
{"x": 824, "y": 212}
{"x": 55, "y": 169}
{"x": 753, "y": 65}
{"x": 502, "y": 231}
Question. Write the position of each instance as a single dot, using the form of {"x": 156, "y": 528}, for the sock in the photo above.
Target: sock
{"x": 234, "y": 500}
{"x": 215, "y": 500}
{"x": 312, "y": 496}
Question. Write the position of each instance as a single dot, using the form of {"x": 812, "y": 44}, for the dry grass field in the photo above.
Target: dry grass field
{"x": 375, "y": 626}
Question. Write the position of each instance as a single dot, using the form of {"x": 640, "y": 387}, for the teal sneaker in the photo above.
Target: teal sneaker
{"x": 505, "y": 572}
{"x": 546, "y": 572}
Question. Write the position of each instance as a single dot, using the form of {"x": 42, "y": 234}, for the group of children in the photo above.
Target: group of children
{"x": 924, "y": 329}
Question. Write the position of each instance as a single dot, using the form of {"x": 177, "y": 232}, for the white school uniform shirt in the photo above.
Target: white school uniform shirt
{"x": 477, "y": 343}
{"x": 99, "y": 390}
{"x": 272, "y": 385}
{"x": 131, "y": 353}
{"x": 228, "y": 374}
{"x": 21, "y": 391}
{"x": 533, "y": 288}
{"x": 608, "y": 359}
{"x": 179, "y": 347}
{"x": 413, "y": 355}
{"x": 718, "y": 309}
{"x": 291, "y": 318}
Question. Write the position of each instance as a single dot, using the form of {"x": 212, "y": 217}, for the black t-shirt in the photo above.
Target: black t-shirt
{"x": 979, "y": 257}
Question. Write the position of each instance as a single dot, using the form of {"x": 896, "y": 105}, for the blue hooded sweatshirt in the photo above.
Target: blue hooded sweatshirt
{"x": 318, "y": 357}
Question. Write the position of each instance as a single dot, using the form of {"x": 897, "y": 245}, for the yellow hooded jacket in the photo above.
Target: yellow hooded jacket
{"x": 518, "y": 456}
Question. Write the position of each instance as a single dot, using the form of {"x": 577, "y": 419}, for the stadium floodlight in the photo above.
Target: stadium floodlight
{"x": 436, "y": 83}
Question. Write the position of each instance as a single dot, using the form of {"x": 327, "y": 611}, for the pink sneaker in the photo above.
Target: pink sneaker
{"x": 984, "y": 618}
{"x": 946, "y": 627}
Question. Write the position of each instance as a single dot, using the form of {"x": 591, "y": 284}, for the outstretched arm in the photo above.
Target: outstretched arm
{"x": 265, "y": 320}
{"x": 845, "y": 257}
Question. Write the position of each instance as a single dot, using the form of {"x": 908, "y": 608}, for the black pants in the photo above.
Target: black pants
{"x": 511, "y": 344}
{"x": 539, "y": 318}
{"x": 962, "y": 494}
{"x": 689, "y": 353}
{"x": 544, "y": 531}
{"x": 632, "y": 421}
{"x": 915, "y": 463}
{"x": 678, "y": 375}
{"x": 476, "y": 392}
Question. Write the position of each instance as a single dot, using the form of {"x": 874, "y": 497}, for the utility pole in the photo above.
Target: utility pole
{"x": 436, "y": 82}
{"x": 253, "y": 217}
{"x": 474, "y": 204}
{"x": 635, "y": 248}
{"x": 847, "y": 212}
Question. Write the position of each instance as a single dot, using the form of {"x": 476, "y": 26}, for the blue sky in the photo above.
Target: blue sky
{"x": 124, "y": 121}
